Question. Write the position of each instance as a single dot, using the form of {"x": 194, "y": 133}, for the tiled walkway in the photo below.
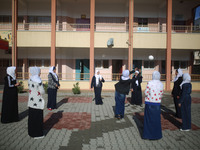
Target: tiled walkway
{"x": 79, "y": 124}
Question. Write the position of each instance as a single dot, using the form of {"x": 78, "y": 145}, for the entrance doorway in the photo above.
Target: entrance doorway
{"x": 82, "y": 69}
{"x": 116, "y": 69}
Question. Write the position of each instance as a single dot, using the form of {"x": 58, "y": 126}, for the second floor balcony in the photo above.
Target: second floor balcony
{"x": 101, "y": 27}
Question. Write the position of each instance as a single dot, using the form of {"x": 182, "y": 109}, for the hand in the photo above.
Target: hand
{"x": 178, "y": 97}
{"x": 179, "y": 104}
{"x": 17, "y": 84}
{"x": 131, "y": 90}
{"x": 56, "y": 85}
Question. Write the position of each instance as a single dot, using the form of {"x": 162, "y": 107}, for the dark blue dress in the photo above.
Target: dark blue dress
{"x": 152, "y": 121}
{"x": 185, "y": 101}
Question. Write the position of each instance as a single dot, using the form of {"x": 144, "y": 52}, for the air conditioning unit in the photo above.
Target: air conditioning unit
{"x": 196, "y": 58}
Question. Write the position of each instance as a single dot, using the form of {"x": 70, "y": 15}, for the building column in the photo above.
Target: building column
{"x": 92, "y": 18}
{"x": 191, "y": 62}
{"x": 130, "y": 44}
{"x": 53, "y": 32}
{"x": 168, "y": 51}
{"x": 14, "y": 32}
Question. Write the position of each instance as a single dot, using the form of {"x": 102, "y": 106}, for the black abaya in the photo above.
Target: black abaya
{"x": 136, "y": 95}
{"x": 10, "y": 101}
{"x": 35, "y": 122}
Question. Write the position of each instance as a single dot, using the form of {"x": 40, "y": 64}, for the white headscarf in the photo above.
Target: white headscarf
{"x": 156, "y": 75}
{"x": 137, "y": 72}
{"x": 125, "y": 75}
{"x": 180, "y": 74}
{"x": 11, "y": 72}
{"x": 53, "y": 73}
{"x": 98, "y": 77}
{"x": 186, "y": 79}
{"x": 35, "y": 71}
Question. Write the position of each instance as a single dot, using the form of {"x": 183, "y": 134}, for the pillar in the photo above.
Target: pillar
{"x": 14, "y": 32}
{"x": 92, "y": 18}
{"x": 168, "y": 51}
{"x": 53, "y": 32}
{"x": 130, "y": 44}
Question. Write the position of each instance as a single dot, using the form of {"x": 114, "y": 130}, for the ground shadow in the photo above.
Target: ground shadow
{"x": 170, "y": 116}
{"x": 48, "y": 124}
{"x": 139, "y": 120}
{"x": 63, "y": 101}
{"x": 23, "y": 115}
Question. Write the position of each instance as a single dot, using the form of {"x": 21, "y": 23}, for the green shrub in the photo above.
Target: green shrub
{"x": 45, "y": 85}
{"x": 20, "y": 88}
{"x": 76, "y": 89}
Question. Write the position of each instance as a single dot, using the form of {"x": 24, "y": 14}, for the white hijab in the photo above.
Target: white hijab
{"x": 186, "y": 79}
{"x": 53, "y": 73}
{"x": 35, "y": 71}
{"x": 156, "y": 84}
{"x": 156, "y": 75}
{"x": 11, "y": 72}
{"x": 180, "y": 74}
{"x": 125, "y": 75}
{"x": 98, "y": 77}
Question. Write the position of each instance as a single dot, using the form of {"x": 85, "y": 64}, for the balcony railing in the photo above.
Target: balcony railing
{"x": 86, "y": 76}
{"x": 101, "y": 27}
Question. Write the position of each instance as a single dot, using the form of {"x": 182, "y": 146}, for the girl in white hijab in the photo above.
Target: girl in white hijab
{"x": 176, "y": 92}
{"x": 53, "y": 86}
{"x": 52, "y": 70}
{"x": 97, "y": 81}
{"x": 152, "y": 121}
{"x": 35, "y": 104}
{"x": 122, "y": 89}
{"x": 9, "y": 111}
{"x": 185, "y": 102}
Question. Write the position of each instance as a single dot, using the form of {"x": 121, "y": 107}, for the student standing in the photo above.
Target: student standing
{"x": 185, "y": 102}
{"x": 53, "y": 86}
{"x": 176, "y": 92}
{"x": 136, "y": 91}
{"x": 152, "y": 121}
{"x": 35, "y": 104}
{"x": 10, "y": 97}
{"x": 122, "y": 89}
{"x": 97, "y": 84}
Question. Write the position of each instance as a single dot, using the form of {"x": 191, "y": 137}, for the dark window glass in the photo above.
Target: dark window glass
{"x": 176, "y": 64}
{"x": 105, "y": 64}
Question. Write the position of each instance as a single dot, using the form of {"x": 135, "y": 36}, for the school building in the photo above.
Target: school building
{"x": 81, "y": 36}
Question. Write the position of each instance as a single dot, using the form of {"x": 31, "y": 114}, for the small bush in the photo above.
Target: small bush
{"x": 45, "y": 85}
{"x": 76, "y": 89}
{"x": 20, "y": 88}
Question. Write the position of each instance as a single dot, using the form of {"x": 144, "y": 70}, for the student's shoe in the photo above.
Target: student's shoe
{"x": 49, "y": 109}
{"x": 185, "y": 130}
{"x": 39, "y": 137}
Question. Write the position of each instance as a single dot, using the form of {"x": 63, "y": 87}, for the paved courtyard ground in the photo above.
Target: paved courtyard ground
{"x": 79, "y": 124}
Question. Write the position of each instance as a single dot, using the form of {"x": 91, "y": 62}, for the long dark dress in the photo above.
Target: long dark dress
{"x": 185, "y": 101}
{"x": 10, "y": 101}
{"x": 52, "y": 91}
{"x": 136, "y": 95}
{"x": 97, "y": 90}
{"x": 152, "y": 122}
{"x": 35, "y": 122}
{"x": 177, "y": 92}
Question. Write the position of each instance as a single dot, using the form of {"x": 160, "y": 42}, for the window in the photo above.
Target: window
{"x": 101, "y": 63}
{"x": 20, "y": 62}
{"x": 39, "y": 63}
{"x": 149, "y": 64}
{"x": 180, "y": 64}
{"x": 142, "y": 21}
